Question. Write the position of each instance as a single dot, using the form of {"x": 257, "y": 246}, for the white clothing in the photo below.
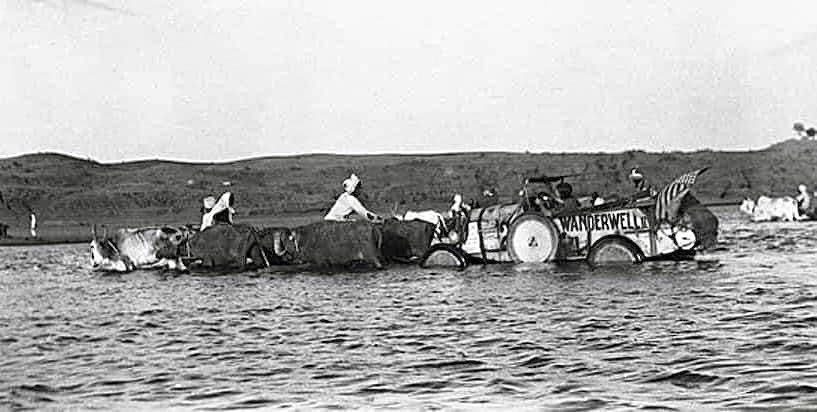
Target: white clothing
{"x": 220, "y": 206}
{"x": 346, "y": 205}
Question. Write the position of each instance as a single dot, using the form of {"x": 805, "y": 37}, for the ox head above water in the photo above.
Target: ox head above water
{"x": 128, "y": 249}
{"x": 105, "y": 255}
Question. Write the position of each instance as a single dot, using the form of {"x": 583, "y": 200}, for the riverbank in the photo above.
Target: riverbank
{"x": 67, "y": 192}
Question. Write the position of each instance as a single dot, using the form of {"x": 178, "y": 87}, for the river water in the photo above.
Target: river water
{"x": 735, "y": 329}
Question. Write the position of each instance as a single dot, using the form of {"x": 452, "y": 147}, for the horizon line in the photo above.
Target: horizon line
{"x": 338, "y": 154}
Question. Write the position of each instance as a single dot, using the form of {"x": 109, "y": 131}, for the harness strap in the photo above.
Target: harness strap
{"x": 113, "y": 246}
{"x": 480, "y": 235}
{"x": 258, "y": 245}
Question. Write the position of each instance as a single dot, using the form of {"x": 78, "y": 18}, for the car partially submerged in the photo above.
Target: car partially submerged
{"x": 545, "y": 228}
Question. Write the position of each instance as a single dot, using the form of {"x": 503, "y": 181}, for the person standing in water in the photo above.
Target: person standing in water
{"x": 803, "y": 201}
{"x": 347, "y": 204}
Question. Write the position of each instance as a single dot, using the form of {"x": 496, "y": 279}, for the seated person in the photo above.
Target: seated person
{"x": 221, "y": 212}
{"x": 347, "y": 204}
{"x": 545, "y": 203}
{"x": 568, "y": 202}
{"x": 489, "y": 198}
{"x": 643, "y": 189}
{"x": 458, "y": 207}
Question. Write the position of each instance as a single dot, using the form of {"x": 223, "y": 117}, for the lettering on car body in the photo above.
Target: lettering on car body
{"x": 618, "y": 221}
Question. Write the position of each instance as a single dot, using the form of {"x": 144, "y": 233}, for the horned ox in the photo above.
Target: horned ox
{"x": 278, "y": 243}
{"x": 227, "y": 245}
{"x": 767, "y": 208}
{"x": 143, "y": 248}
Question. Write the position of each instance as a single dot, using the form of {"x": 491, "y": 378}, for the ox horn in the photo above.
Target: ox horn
{"x": 278, "y": 244}
{"x": 93, "y": 231}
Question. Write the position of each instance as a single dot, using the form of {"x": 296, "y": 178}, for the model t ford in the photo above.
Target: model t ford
{"x": 550, "y": 225}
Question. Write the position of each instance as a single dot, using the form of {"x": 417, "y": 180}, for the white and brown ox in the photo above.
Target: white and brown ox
{"x": 768, "y": 209}
{"x": 142, "y": 248}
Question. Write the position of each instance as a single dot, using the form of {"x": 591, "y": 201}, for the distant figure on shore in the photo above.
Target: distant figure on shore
{"x": 33, "y": 225}
{"x": 4, "y": 230}
{"x": 348, "y": 205}
{"x": 803, "y": 200}
{"x": 221, "y": 212}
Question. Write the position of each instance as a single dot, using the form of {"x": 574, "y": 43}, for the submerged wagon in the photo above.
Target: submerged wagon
{"x": 538, "y": 229}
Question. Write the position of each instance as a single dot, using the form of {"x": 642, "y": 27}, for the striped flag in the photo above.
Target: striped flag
{"x": 668, "y": 200}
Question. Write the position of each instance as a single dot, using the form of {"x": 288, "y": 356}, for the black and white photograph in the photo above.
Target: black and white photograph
{"x": 428, "y": 205}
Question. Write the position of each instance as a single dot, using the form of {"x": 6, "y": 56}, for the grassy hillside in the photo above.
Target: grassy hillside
{"x": 66, "y": 189}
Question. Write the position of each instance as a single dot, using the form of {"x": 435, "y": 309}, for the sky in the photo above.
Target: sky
{"x": 210, "y": 80}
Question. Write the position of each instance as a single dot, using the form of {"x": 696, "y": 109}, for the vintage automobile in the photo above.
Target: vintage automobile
{"x": 540, "y": 228}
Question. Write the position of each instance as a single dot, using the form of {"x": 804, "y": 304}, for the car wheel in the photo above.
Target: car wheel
{"x": 444, "y": 255}
{"x": 532, "y": 238}
{"x": 614, "y": 251}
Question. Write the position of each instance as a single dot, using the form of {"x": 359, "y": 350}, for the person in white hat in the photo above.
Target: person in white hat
{"x": 221, "y": 211}
{"x": 640, "y": 183}
{"x": 637, "y": 178}
{"x": 348, "y": 205}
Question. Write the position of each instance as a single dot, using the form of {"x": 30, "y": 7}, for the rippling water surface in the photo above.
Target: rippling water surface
{"x": 736, "y": 329}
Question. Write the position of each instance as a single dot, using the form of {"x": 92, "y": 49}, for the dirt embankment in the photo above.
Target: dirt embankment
{"x": 68, "y": 191}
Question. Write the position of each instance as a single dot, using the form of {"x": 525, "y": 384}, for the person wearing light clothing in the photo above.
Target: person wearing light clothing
{"x": 347, "y": 204}
{"x": 221, "y": 212}
{"x": 33, "y": 225}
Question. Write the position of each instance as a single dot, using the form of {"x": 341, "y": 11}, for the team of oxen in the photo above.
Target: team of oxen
{"x": 323, "y": 243}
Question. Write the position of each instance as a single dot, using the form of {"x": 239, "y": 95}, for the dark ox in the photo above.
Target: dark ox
{"x": 279, "y": 245}
{"x": 224, "y": 245}
{"x": 143, "y": 248}
{"x": 405, "y": 241}
{"x": 701, "y": 220}
{"x": 329, "y": 243}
